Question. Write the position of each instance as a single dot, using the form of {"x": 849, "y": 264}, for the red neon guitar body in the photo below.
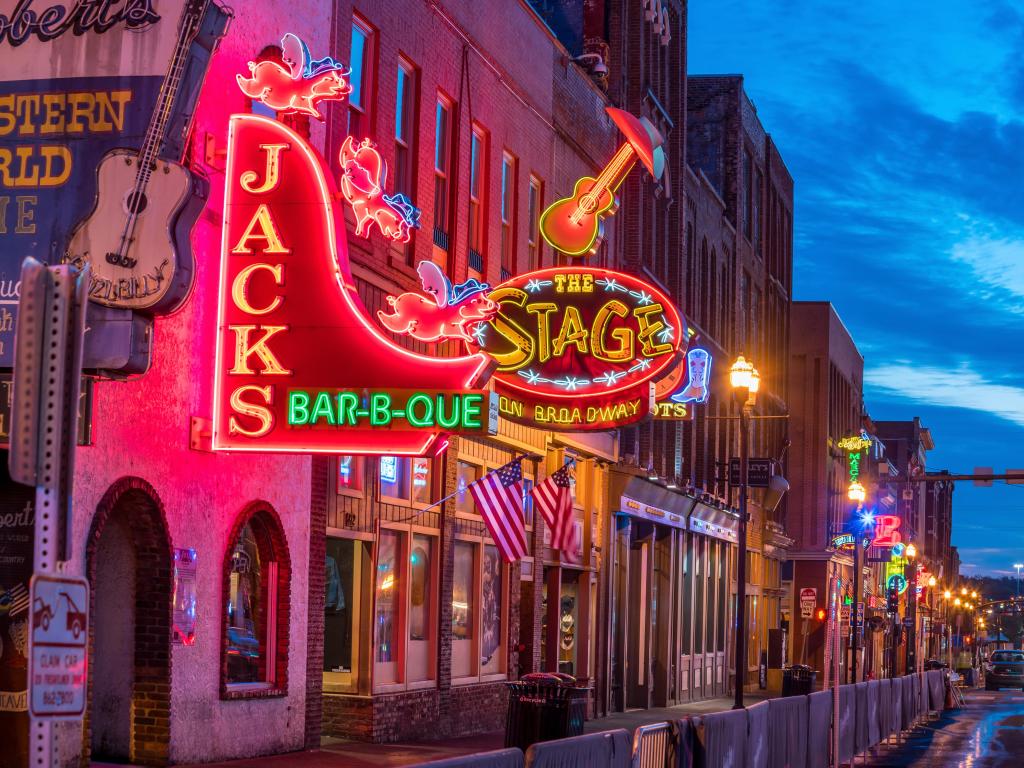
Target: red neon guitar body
{"x": 575, "y": 223}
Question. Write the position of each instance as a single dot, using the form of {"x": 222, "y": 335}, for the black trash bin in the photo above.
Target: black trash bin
{"x": 798, "y": 680}
{"x": 542, "y": 707}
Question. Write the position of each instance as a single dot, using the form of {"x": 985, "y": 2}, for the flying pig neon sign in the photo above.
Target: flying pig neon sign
{"x": 300, "y": 366}
{"x": 299, "y": 88}
{"x": 363, "y": 175}
{"x": 444, "y": 312}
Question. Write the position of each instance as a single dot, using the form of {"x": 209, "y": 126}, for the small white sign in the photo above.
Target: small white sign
{"x": 808, "y": 599}
{"x": 983, "y": 471}
{"x": 57, "y": 647}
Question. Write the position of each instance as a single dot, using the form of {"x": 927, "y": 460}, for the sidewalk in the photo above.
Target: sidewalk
{"x": 336, "y": 753}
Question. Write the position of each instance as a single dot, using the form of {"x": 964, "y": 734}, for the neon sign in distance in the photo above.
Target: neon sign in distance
{"x": 578, "y": 348}
{"x": 300, "y": 365}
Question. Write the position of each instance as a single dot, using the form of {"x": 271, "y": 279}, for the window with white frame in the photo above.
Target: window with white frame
{"x": 405, "y": 480}
{"x": 477, "y": 202}
{"x": 508, "y": 214}
{"x": 534, "y": 202}
{"x": 465, "y": 475}
{"x": 361, "y": 79}
{"x": 479, "y": 612}
{"x": 442, "y": 170}
{"x": 350, "y": 475}
{"x": 405, "y": 612}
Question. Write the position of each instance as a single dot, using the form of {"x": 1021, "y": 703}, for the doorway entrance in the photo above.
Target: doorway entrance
{"x": 130, "y": 571}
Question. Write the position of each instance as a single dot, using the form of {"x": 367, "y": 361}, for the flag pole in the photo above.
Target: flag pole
{"x": 455, "y": 493}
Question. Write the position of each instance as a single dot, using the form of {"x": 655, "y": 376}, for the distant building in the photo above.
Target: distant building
{"x": 826, "y": 375}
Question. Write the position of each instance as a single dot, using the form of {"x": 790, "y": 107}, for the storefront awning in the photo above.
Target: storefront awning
{"x": 649, "y": 501}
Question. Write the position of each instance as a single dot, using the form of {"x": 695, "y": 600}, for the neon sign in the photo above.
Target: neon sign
{"x": 855, "y": 443}
{"x": 886, "y": 531}
{"x": 574, "y": 225}
{"x": 698, "y": 365}
{"x": 294, "y": 339}
{"x": 844, "y": 541}
{"x": 578, "y": 348}
{"x": 299, "y": 88}
{"x": 363, "y": 176}
{"x": 445, "y": 310}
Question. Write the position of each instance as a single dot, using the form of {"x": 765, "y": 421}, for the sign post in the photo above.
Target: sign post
{"x": 44, "y": 430}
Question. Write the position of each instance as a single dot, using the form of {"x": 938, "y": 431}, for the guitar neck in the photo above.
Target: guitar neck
{"x": 154, "y": 140}
{"x": 616, "y": 170}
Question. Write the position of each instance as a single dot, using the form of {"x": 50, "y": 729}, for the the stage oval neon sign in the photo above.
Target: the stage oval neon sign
{"x": 579, "y": 336}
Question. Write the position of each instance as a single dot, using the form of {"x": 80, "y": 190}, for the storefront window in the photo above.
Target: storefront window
{"x": 568, "y": 624}
{"x": 420, "y": 481}
{"x": 467, "y": 474}
{"x": 387, "y": 615}
{"x": 492, "y": 643}
{"x": 245, "y": 610}
{"x": 463, "y": 607}
{"x": 350, "y": 474}
{"x": 343, "y": 576}
{"x": 257, "y": 565}
{"x": 421, "y": 608}
{"x": 528, "y": 500}
{"x": 394, "y": 477}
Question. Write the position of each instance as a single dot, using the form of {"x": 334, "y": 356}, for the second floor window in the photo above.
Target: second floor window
{"x": 533, "y": 215}
{"x": 405, "y": 105}
{"x": 508, "y": 215}
{"x": 442, "y": 170}
{"x": 361, "y": 79}
{"x": 477, "y": 202}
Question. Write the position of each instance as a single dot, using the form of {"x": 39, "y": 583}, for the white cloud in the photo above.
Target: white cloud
{"x": 958, "y": 387}
{"x": 997, "y": 262}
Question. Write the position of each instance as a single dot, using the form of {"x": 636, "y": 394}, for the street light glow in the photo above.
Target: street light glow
{"x": 931, "y": 581}
{"x": 856, "y": 493}
{"x": 911, "y": 551}
{"x": 740, "y": 373}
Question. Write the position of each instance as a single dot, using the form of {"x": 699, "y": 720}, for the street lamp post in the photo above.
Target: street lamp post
{"x": 745, "y": 383}
{"x": 931, "y": 651}
{"x": 912, "y": 610}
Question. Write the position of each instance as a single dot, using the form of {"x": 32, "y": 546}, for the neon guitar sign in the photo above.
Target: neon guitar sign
{"x": 574, "y": 225}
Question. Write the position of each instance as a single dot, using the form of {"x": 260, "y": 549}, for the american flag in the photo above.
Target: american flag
{"x": 499, "y": 498}
{"x": 16, "y": 600}
{"x": 553, "y": 499}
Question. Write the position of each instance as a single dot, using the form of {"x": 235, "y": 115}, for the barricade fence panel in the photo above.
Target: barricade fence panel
{"x": 819, "y": 728}
{"x": 722, "y": 739}
{"x": 758, "y": 735}
{"x": 787, "y": 732}
{"x": 607, "y": 749}
{"x": 874, "y": 724}
{"x": 500, "y": 758}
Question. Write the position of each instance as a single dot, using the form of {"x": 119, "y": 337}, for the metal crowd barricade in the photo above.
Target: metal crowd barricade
{"x": 653, "y": 746}
{"x": 607, "y": 749}
{"x": 500, "y": 758}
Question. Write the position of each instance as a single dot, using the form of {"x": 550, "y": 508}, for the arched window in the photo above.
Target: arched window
{"x": 256, "y": 604}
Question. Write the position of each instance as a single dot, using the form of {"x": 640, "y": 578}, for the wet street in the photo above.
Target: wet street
{"x": 987, "y": 733}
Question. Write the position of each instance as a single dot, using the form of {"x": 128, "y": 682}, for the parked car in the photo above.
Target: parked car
{"x": 1006, "y": 670}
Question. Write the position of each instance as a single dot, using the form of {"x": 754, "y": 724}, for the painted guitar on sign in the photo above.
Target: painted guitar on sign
{"x": 129, "y": 238}
{"x": 574, "y": 225}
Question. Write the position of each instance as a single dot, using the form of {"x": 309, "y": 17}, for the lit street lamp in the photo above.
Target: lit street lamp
{"x": 745, "y": 382}
{"x": 911, "y": 553}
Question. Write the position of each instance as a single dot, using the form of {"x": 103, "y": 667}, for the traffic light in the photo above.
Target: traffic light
{"x": 892, "y": 600}
{"x": 821, "y": 614}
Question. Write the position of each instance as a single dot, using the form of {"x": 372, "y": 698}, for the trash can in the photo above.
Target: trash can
{"x": 542, "y": 707}
{"x": 798, "y": 680}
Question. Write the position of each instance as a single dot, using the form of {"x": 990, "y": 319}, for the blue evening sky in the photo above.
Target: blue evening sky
{"x": 903, "y": 127}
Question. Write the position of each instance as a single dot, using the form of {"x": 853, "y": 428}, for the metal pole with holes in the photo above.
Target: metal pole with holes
{"x": 44, "y": 422}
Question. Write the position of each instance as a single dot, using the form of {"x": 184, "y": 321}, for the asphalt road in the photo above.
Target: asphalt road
{"x": 987, "y": 733}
